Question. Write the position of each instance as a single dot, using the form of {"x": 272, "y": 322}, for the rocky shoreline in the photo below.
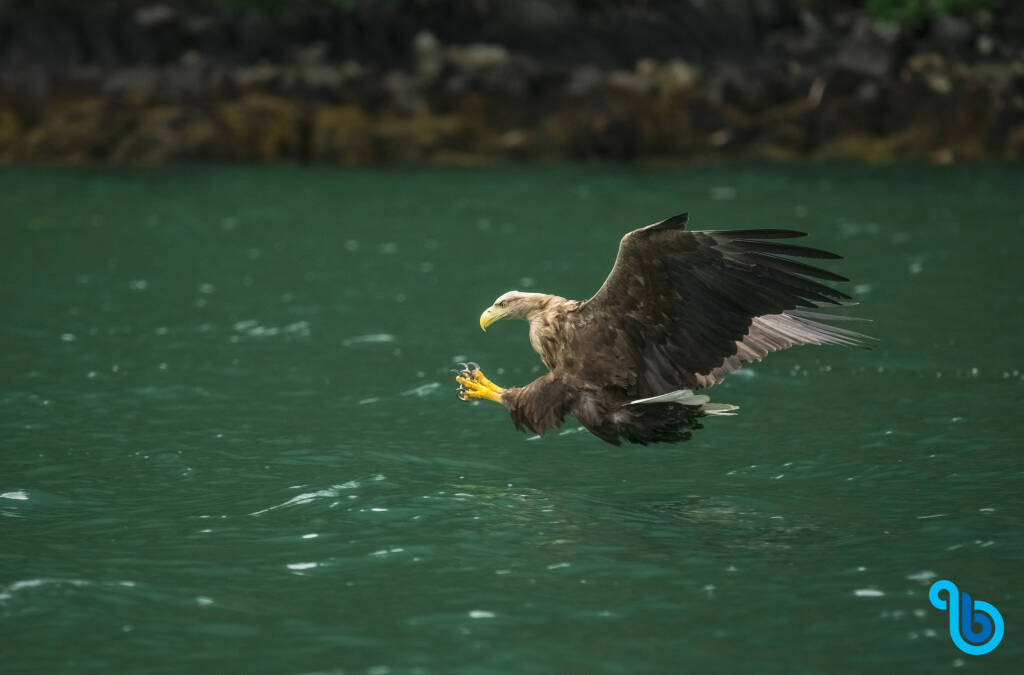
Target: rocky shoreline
{"x": 798, "y": 85}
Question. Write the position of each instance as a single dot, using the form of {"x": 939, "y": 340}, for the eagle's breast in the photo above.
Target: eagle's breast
{"x": 544, "y": 336}
{"x": 549, "y": 333}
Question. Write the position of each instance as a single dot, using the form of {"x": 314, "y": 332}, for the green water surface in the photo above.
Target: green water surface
{"x": 231, "y": 442}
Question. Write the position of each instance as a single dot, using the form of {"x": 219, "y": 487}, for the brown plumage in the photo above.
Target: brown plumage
{"x": 679, "y": 311}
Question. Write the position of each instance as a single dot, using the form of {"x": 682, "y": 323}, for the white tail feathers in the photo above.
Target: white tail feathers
{"x": 720, "y": 408}
{"x": 680, "y": 396}
{"x": 687, "y": 397}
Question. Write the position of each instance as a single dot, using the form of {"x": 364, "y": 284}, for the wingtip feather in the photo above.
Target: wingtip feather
{"x": 674, "y": 223}
{"x": 769, "y": 233}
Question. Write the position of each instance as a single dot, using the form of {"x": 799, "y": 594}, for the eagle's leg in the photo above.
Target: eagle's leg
{"x": 473, "y": 385}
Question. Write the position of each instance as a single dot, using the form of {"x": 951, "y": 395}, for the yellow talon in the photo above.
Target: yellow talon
{"x": 478, "y": 376}
{"x": 473, "y": 385}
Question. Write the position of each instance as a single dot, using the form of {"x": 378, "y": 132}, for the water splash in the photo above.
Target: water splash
{"x": 373, "y": 338}
{"x": 307, "y": 497}
{"x": 252, "y": 328}
{"x": 423, "y": 389}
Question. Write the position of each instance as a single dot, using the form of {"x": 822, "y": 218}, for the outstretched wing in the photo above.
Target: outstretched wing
{"x": 682, "y": 309}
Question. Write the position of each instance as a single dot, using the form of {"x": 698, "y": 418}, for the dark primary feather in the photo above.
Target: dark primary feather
{"x": 757, "y": 234}
{"x": 784, "y": 249}
{"x": 681, "y": 309}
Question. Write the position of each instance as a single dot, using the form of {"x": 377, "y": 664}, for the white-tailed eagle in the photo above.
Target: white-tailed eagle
{"x": 679, "y": 311}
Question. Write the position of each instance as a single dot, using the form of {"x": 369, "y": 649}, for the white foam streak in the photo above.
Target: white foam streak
{"x": 307, "y": 497}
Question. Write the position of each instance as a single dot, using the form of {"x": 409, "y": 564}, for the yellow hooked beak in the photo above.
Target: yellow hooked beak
{"x": 490, "y": 315}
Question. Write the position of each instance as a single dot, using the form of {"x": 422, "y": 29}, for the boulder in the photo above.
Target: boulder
{"x": 341, "y": 133}
{"x": 10, "y": 132}
{"x": 261, "y": 126}
{"x": 167, "y": 133}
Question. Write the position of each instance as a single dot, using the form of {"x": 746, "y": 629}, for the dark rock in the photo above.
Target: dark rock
{"x": 584, "y": 80}
{"x": 420, "y": 137}
{"x": 322, "y": 79}
{"x": 806, "y": 39}
{"x": 184, "y": 83}
{"x": 537, "y": 14}
{"x": 404, "y": 92}
{"x": 868, "y": 92}
{"x": 950, "y": 33}
{"x": 341, "y": 133}
{"x": 11, "y": 130}
{"x": 629, "y": 83}
{"x": 985, "y": 44}
{"x": 142, "y": 80}
{"x": 674, "y": 77}
{"x": 311, "y": 54}
{"x": 260, "y": 126}
{"x": 257, "y": 77}
{"x": 171, "y": 133}
{"x": 256, "y": 34}
{"x": 200, "y": 24}
{"x": 430, "y": 57}
{"x": 477, "y": 57}
{"x": 31, "y": 84}
{"x": 1015, "y": 144}
{"x": 152, "y": 15}
{"x": 869, "y": 49}
{"x": 81, "y": 130}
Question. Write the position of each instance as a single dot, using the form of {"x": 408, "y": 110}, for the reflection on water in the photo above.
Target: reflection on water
{"x": 231, "y": 434}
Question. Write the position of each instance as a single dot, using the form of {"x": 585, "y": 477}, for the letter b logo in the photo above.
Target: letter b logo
{"x": 976, "y": 627}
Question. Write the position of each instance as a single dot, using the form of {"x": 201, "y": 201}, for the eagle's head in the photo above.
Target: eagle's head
{"x": 514, "y": 304}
